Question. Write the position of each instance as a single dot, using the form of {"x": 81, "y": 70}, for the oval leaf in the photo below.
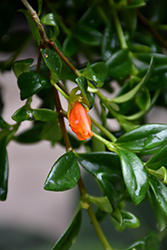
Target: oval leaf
{"x": 22, "y": 66}
{"x": 135, "y": 175}
{"x": 30, "y": 83}
{"x": 64, "y": 174}
{"x": 52, "y": 61}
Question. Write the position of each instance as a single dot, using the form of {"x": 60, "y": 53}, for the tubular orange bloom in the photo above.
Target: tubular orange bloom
{"x": 80, "y": 122}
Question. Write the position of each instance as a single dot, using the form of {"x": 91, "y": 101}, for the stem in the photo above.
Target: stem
{"x": 118, "y": 26}
{"x": 76, "y": 72}
{"x": 104, "y": 130}
{"x": 94, "y": 221}
{"x": 151, "y": 29}
{"x": 108, "y": 144}
{"x": 60, "y": 90}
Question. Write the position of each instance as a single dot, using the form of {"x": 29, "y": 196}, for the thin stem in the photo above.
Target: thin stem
{"x": 70, "y": 65}
{"x": 118, "y": 26}
{"x": 104, "y": 130}
{"x": 108, "y": 144}
{"x": 60, "y": 90}
{"x": 151, "y": 29}
{"x": 92, "y": 217}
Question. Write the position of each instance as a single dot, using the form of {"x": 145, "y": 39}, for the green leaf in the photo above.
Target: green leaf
{"x": 119, "y": 64}
{"x": 70, "y": 46}
{"x": 101, "y": 202}
{"x": 160, "y": 192}
{"x": 158, "y": 159}
{"x": 144, "y": 137}
{"x": 105, "y": 167}
{"x": 4, "y": 168}
{"x": 96, "y": 72}
{"x": 70, "y": 235}
{"x": 158, "y": 211}
{"x": 22, "y": 66}
{"x": 87, "y": 35}
{"x": 135, "y": 175}
{"x": 64, "y": 174}
{"x": 40, "y": 2}
{"x": 44, "y": 115}
{"x": 149, "y": 242}
{"x": 159, "y": 59}
{"x": 88, "y": 98}
{"x": 50, "y": 19}
{"x": 52, "y": 61}
{"x": 32, "y": 25}
{"x": 122, "y": 219}
{"x": 51, "y": 132}
{"x": 30, "y": 83}
{"x": 3, "y": 124}
{"x": 126, "y": 97}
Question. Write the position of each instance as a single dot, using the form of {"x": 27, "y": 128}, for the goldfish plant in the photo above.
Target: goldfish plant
{"x": 96, "y": 45}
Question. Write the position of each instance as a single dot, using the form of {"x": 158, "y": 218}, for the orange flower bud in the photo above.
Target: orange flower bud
{"x": 80, "y": 122}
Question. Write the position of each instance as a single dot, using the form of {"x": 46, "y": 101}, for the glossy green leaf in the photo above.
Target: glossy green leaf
{"x": 88, "y": 35}
{"x": 159, "y": 59}
{"x": 4, "y": 169}
{"x": 32, "y": 25}
{"x": 64, "y": 174}
{"x": 135, "y": 175}
{"x": 149, "y": 242}
{"x": 160, "y": 192}
{"x": 50, "y": 19}
{"x": 96, "y": 72}
{"x": 22, "y": 66}
{"x": 158, "y": 211}
{"x": 30, "y": 83}
{"x": 127, "y": 96}
{"x": 40, "y": 2}
{"x": 52, "y": 61}
{"x": 70, "y": 235}
{"x": 22, "y": 114}
{"x": 51, "y": 132}
{"x": 122, "y": 219}
{"x": 144, "y": 137}
{"x": 101, "y": 202}
{"x": 158, "y": 159}
{"x": 105, "y": 167}
{"x": 88, "y": 98}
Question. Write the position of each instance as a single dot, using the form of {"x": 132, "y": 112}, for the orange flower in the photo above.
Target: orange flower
{"x": 80, "y": 122}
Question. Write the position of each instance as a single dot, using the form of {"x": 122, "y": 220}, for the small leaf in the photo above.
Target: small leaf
{"x": 4, "y": 168}
{"x": 135, "y": 175}
{"x": 50, "y": 19}
{"x": 88, "y": 98}
{"x": 101, "y": 202}
{"x": 126, "y": 97}
{"x": 44, "y": 115}
{"x": 30, "y": 83}
{"x": 160, "y": 192}
{"x": 40, "y": 2}
{"x": 52, "y": 61}
{"x": 143, "y": 99}
{"x": 22, "y": 66}
{"x": 64, "y": 174}
{"x": 70, "y": 46}
{"x": 32, "y": 25}
{"x": 70, "y": 235}
{"x": 130, "y": 220}
{"x": 136, "y": 4}
{"x": 144, "y": 137}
